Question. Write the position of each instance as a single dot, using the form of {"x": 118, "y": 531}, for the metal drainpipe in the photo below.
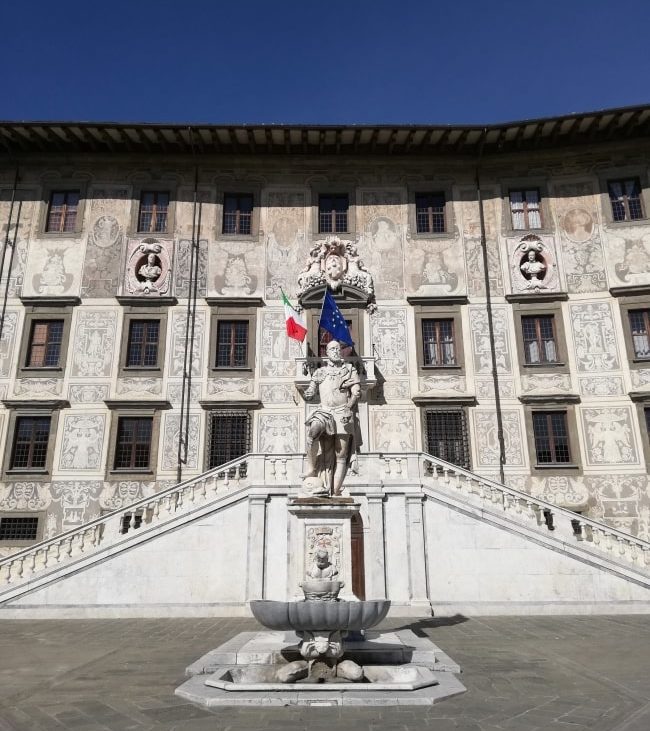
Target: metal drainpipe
{"x": 488, "y": 298}
{"x": 7, "y": 243}
{"x": 190, "y": 319}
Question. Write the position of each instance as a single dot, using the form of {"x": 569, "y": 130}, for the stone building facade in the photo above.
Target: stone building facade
{"x": 511, "y": 273}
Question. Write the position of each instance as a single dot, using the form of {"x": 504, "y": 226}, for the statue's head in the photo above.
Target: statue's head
{"x": 333, "y": 350}
{"x": 322, "y": 558}
{"x": 151, "y": 259}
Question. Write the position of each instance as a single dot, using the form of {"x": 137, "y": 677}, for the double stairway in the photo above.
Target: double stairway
{"x": 371, "y": 475}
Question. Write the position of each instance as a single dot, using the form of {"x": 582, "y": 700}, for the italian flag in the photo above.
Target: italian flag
{"x": 294, "y": 320}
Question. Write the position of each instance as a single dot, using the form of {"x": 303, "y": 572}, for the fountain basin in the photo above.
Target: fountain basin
{"x": 320, "y": 615}
{"x": 378, "y": 677}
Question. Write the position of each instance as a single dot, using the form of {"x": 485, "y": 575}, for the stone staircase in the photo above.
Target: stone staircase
{"x": 256, "y": 478}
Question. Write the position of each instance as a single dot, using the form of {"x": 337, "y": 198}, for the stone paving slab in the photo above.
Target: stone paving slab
{"x": 521, "y": 674}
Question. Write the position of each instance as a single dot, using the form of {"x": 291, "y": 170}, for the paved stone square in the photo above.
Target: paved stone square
{"x": 522, "y": 674}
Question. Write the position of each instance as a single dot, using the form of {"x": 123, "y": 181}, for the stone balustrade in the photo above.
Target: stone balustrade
{"x": 412, "y": 472}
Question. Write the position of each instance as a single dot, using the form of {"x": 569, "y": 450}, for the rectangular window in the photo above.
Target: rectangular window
{"x": 237, "y": 213}
{"x": 154, "y": 208}
{"x": 540, "y": 345}
{"x": 430, "y": 213}
{"x": 133, "y": 445}
{"x": 438, "y": 342}
{"x": 44, "y": 350}
{"x": 333, "y": 213}
{"x": 625, "y": 197}
{"x": 525, "y": 209}
{"x": 232, "y": 344}
{"x": 31, "y": 436}
{"x": 551, "y": 437}
{"x": 62, "y": 211}
{"x": 19, "y": 528}
{"x": 640, "y": 329}
{"x": 142, "y": 346}
{"x": 446, "y": 435}
{"x": 229, "y": 436}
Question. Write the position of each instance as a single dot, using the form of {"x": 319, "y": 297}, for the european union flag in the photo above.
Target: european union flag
{"x": 333, "y": 321}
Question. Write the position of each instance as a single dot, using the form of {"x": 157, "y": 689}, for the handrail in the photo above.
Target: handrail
{"x": 527, "y": 497}
{"x": 226, "y": 467}
{"x": 417, "y": 469}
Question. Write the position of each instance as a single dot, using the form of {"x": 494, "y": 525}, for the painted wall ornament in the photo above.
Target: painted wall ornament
{"x": 631, "y": 257}
{"x": 594, "y": 337}
{"x": 610, "y": 439}
{"x": 149, "y": 268}
{"x": 54, "y": 279}
{"x": 105, "y": 232}
{"x": 335, "y": 263}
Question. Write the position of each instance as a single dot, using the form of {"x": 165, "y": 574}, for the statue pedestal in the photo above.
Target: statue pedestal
{"x": 320, "y": 523}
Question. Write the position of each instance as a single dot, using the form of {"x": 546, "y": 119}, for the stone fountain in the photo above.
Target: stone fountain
{"x": 320, "y": 647}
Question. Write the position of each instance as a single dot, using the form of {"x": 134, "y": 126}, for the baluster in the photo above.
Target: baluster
{"x": 57, "y": 556}
{"x": 398, "y": 468}
{"x": 21, "y": 566}
{"x": 272, "y": 470}
{"x": 46, "y": 556}
{"x": 132, "y": 520}
{"x": 283, "y": 463}
{"x": 596, "y": 535}
{"x": 645, "y": 555}
{"x": 238, "y": 473}
{"x": 32, "y": 567}
{"x": 226, "y": 478}
{"x": 8, "y": 577}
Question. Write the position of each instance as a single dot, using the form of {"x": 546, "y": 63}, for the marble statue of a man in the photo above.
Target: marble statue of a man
{"x": 331, "y": 426}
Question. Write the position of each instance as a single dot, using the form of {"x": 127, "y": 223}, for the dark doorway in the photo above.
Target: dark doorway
{"x": 358, "y": 564}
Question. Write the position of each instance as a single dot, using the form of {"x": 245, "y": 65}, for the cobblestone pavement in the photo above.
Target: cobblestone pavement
{"x": 522, "y": 673}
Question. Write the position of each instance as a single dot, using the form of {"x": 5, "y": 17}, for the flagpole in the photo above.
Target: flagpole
{"x": 320, "y": 317}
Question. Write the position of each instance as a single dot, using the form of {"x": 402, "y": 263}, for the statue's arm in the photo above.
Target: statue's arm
{"x": 311, "y": 390}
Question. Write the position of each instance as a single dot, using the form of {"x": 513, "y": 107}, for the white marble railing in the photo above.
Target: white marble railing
{"x": 377, "y": 471}
{"x": 567, "y": 526}
{"x": 160, "y": 507}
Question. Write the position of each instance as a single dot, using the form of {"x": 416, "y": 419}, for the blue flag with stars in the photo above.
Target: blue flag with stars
{"x": 333, "y": 321}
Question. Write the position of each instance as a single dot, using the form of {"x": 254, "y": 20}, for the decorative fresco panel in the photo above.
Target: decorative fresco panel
{"x": 278, "y": 433}
{"x": 389, "y": 341}
{"x": 393, "y": 430}
{"x": 108, "y": 215}
{"x": 285, "y": 224}
{"x": 83, "y": 438}
{"x": 94, "y": 343}
{"x": 481, "y": 347}
{"x": 278, "y": 351}
{"x": 594, "y": 337}
{"x": 582, "y": 250}
{"x": 381, "y": 244}
{"x": 609, "y": 436}
{"x": 487, "y": 442}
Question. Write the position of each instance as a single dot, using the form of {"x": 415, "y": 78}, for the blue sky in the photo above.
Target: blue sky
{"x": 329, "y": 62}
